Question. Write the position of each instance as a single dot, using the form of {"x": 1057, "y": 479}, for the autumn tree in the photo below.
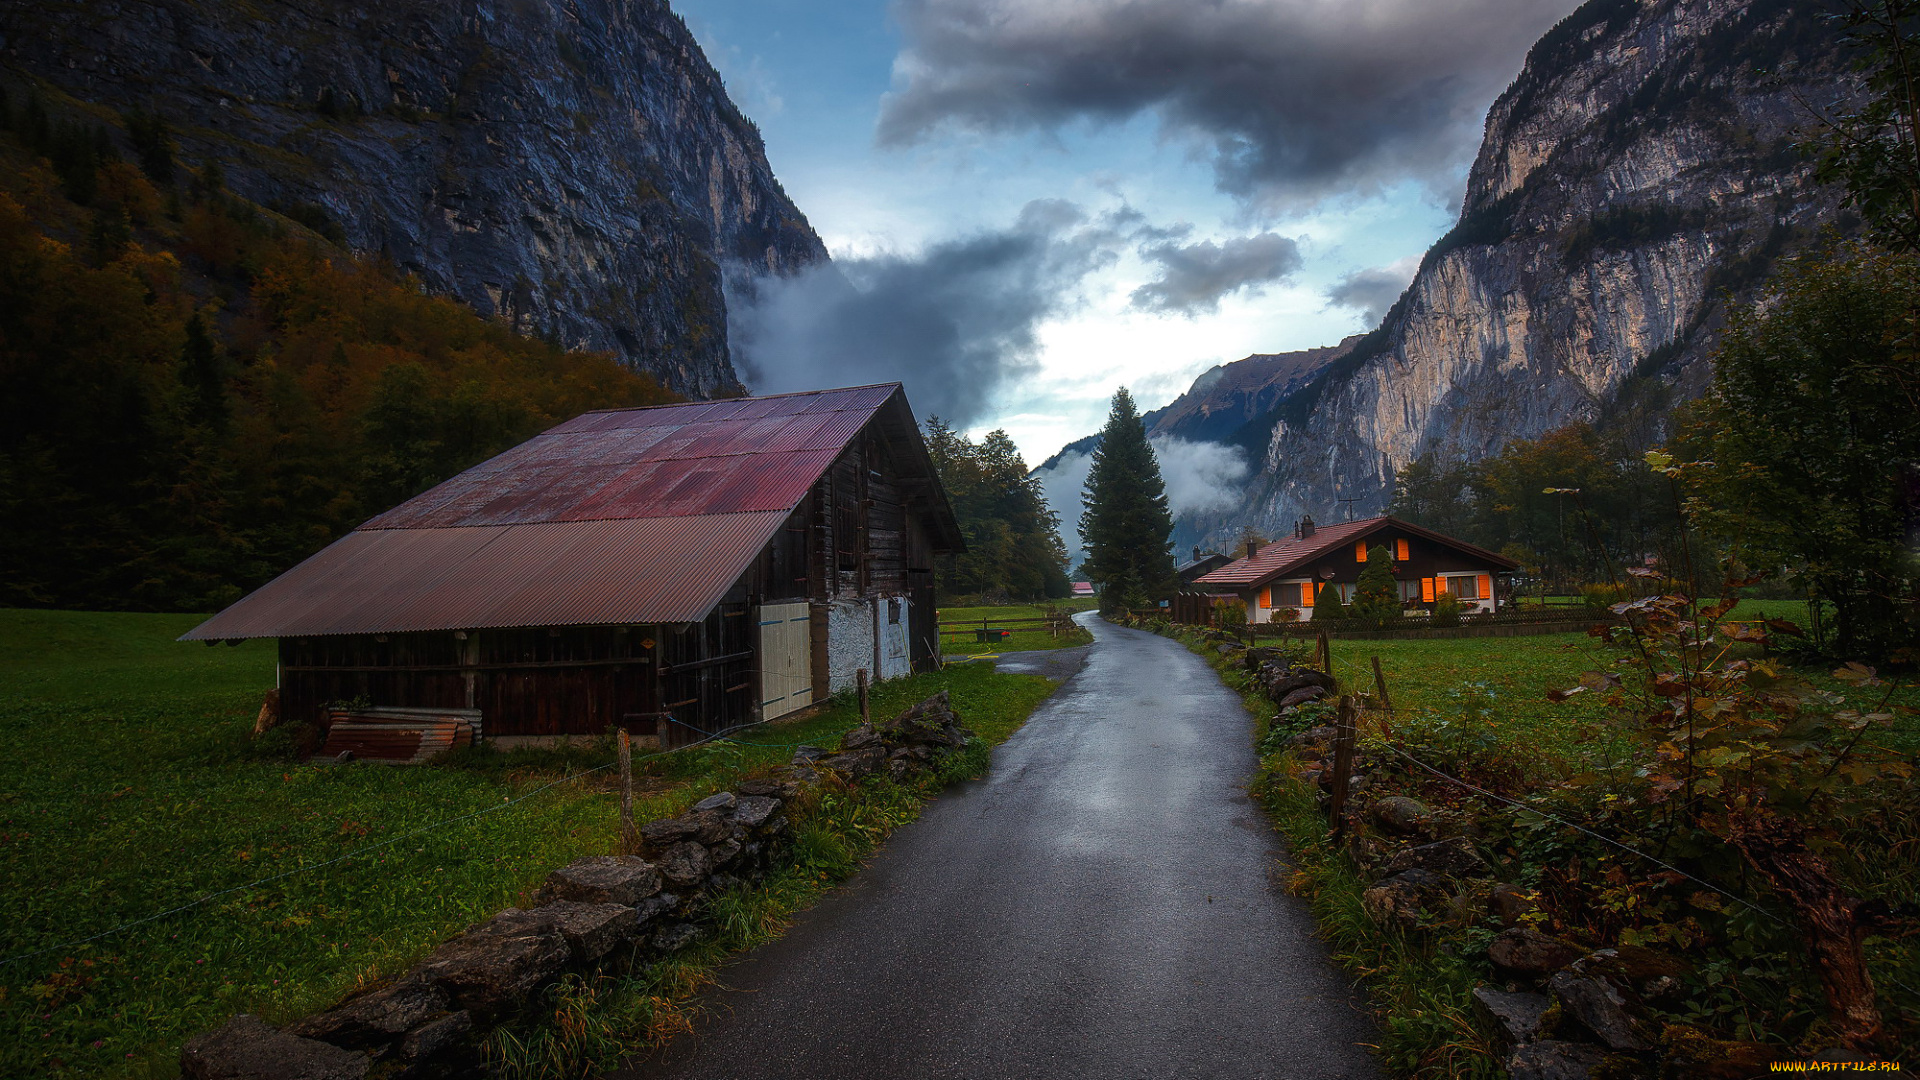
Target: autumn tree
{"x": 1125, "y": 520}
{"x": 1815, "y": 458}
{"x": 1013, "y": 538}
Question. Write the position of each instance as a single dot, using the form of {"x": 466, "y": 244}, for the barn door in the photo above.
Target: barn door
{"x": 786, "y": 675}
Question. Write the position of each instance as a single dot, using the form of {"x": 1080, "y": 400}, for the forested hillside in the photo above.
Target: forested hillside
{"x": 197, "y": 391}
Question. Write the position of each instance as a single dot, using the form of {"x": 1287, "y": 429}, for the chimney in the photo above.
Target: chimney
{"x": 1306, "y": 526}
{"x": 1253, "y": 548}
{"x": 1196, "y": 553}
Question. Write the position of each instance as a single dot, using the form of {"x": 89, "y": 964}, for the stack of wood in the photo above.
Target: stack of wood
{"x": 400, "y": 736}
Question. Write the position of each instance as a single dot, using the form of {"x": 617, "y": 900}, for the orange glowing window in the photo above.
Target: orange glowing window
{"x": 1426, "y": 587}
{"x": 1360, "y": 551}
{"x": 1400, "y": 550}
{"x": 1306, "y": 594}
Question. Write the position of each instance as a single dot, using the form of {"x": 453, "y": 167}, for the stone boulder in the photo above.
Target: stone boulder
{"x": 1298, "y": 679}
{"x": 436, "y": 1038}
{"x": 1513, "y": 1018}
{"x": 248, "y": 1048}
{"x": 765, "y": 789}
{"x": 720, "y": 800}
{"x": 374, "y": 1020}
{"x": 1453, "y": 857}
{"x": 1301, "y": 696}
{"x": 1598, "y": 1007}
{"x": 1400, "y": 899}
{"x": 1554, "y": 1060}
{"x": 1399, "y": 815}
{"x": 1525, "y": 951}
{"x": 1641, "y": 973}
{"x": 1510, "y": 903}
{"x": 859, "y": 739}
{"x": 496, "y": 966}
{"x": 1325, "y": 733}
{"x": 602, "y": 879}
{"x": 752, "y": 811}
{"x": 592, "y": 930}
{"x": 686, "y": 864}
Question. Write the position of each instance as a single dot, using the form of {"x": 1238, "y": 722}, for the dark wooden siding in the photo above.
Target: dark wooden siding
{"x": 565, "y": 681}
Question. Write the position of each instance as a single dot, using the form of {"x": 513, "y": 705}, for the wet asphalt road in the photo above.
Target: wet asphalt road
{"x": 1101, "y": 905}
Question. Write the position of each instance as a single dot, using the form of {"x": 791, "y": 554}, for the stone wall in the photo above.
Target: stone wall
{"x": 603, "y": 911}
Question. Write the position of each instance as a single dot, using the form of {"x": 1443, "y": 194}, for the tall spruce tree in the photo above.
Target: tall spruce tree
{"x": 1125, "y": 522}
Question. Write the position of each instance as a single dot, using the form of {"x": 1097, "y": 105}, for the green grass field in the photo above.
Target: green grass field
{"x": 1022, "y": 639}
{"x": 130, "y": 785}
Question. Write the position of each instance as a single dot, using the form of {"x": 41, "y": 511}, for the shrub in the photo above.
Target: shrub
{"x": 1229, "y": 613}
{"x": 1599, "y": 598}
{"x": 1446, "y": 610}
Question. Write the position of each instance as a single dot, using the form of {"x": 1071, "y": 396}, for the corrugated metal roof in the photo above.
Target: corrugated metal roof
{"x": 563, "y": 573}
{"x": 1280, "y": 559}
{"x": 720, "y": 457}
{"x": 622, "y": 516}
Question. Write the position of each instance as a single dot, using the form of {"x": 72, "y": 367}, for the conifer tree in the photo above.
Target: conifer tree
{"x": 1329, "y": 605}
{"x": 1377, "y": 598}
{"x": 1126, "y": 523}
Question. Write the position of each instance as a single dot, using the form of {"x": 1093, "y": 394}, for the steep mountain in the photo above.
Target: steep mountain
{"x": 572, "y": 167}
{"x": 1226, "y": 397}
{"x": 1642, "y": 168}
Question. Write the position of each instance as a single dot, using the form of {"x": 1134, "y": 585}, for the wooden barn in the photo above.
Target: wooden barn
{"x": 673, "y": 571}
{"x": 1291, "y": 573}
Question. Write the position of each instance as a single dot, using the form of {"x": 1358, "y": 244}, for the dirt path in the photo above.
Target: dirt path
{"x": 1099, "y": 906}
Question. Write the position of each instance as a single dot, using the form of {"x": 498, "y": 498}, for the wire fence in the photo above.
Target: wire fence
{"x": 1378, "y": 703}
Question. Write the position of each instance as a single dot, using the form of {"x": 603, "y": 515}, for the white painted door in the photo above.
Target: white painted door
{"x": 786, "y": 652}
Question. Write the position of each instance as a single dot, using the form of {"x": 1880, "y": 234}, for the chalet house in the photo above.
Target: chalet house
{"x": 1290, "y": 574}
{"x": 1192, "y": 602}
{"x": 671, "y": 571}
{"x": 1202, "y": 563}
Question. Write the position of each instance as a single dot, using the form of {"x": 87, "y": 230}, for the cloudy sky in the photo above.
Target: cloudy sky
{"x": 1032, "y": 202}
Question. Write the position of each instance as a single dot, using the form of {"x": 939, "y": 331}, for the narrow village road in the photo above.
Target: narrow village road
{"x": 1101, "y": 905}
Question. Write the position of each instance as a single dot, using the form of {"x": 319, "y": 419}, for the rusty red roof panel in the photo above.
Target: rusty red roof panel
{"x": 622, "y": 516}
{"x": 572, "y": 573}
{"x": 1279, "y": 559}
{"x": 703, "y": 458}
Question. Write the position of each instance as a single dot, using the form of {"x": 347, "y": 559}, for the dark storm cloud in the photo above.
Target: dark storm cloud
{"x": 1290, "y": 99}
{"x": 1373, "y": 290}
{"x": 953, "y": 323}
{"x": 1194, "y": 277}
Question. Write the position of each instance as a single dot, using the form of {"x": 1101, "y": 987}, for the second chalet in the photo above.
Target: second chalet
{"x": 1292, "y": 574}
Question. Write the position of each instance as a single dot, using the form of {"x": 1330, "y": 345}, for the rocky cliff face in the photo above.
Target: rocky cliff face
{"x": 573, "y": 167}
{"x": 1225, "y": 398}
{"x": 1641, "y": 167}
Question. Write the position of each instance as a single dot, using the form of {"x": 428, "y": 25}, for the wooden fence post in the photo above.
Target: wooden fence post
{"x": 1386, "y": 703}
{"x": 629, "y": 836}
{"x": 1326, "y": 654}
{"x": 1342, "y": 766}
{"x": 860, "y": 683}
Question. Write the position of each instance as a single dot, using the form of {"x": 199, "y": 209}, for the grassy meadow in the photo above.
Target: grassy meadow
{"x": 1023, "y": 637}
{"x": 130, "y": 785}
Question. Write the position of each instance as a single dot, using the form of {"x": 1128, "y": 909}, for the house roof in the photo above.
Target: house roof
{"x": 1209, "y": 559}
{"x": 1282, "y": 559}
{"x": 619, "y": 516}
